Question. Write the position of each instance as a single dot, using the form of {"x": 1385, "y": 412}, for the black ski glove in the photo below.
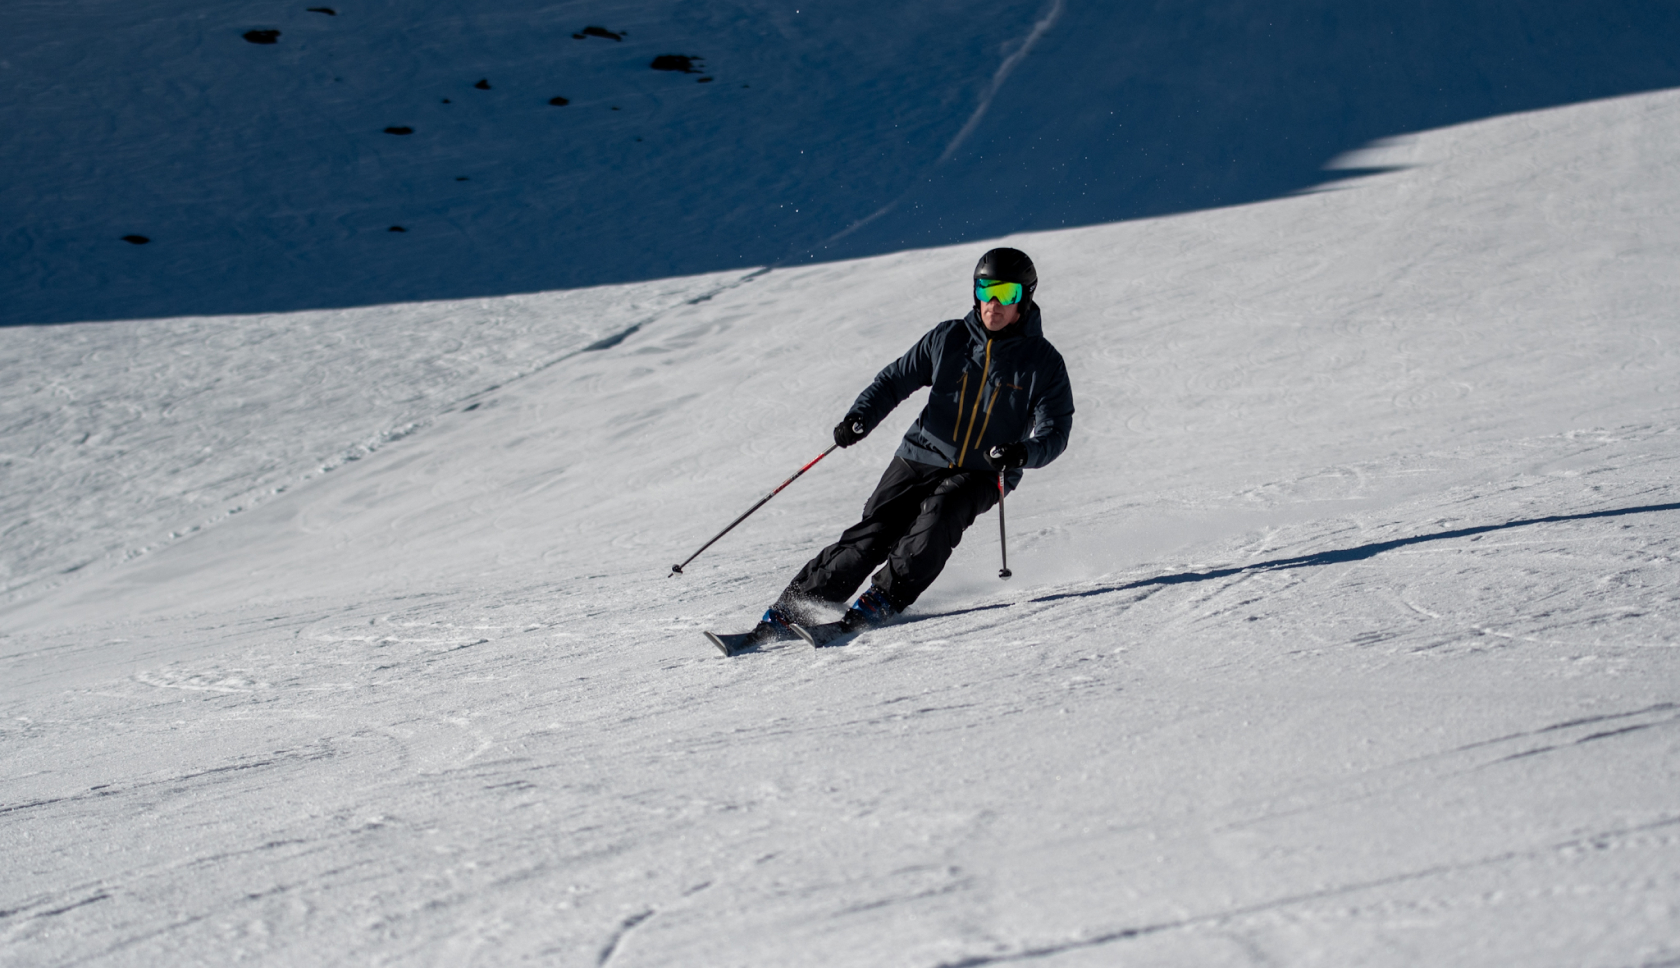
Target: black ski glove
{"x": 1012, "y": 454}
{"x": 850, "y": 430}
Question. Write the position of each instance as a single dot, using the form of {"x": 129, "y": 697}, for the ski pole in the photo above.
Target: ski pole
{"x": 1003, "y": 539}
{"x": 678, "y": 569}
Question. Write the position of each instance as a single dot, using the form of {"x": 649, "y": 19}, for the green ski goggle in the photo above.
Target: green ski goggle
{"x": 1006, "y": 293}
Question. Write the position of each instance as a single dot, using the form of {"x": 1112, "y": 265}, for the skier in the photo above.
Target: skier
{"x": 1000, "y": 402}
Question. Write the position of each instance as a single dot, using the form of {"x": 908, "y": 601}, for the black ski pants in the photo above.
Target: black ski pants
{"x": 915, "y": 517}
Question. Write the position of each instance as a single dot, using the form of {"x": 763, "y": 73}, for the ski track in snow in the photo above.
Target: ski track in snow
{"x": 114, "y": 425}
{"x": 1345, "y": 633}
{"x": 1014, "y": 57}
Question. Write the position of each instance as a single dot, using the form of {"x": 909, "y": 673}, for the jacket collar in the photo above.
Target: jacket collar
{"x": 1030, "y": 326}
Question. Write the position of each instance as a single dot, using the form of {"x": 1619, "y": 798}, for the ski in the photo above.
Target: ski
{"x": 818, "y": 636}
{"x": 732, "y": 645}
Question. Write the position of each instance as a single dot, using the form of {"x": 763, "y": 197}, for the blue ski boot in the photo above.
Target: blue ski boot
{"x": 775, "y": 626}
{"x": 871, "y": 610}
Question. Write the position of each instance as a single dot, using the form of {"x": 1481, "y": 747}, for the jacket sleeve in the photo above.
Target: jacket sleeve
{"x": 1052, "y": 416}
{"x": 898, "y": 379}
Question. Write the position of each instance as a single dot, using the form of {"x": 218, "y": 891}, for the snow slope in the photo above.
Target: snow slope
{"x": 1344, "y": 633}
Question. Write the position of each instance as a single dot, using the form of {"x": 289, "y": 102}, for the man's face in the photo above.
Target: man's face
{"x": 995, "y": 315}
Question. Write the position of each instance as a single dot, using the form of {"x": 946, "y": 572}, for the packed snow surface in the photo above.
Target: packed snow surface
{"x": 1347, "y": 630}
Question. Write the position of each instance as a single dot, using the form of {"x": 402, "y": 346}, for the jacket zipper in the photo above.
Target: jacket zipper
{"x": 957, "y": 430}
{"x": 980, "y": 441}
{"x": 985, "y": 370}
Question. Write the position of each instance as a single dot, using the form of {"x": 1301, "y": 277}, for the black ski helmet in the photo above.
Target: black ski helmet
{"x": 1008, "y": 265}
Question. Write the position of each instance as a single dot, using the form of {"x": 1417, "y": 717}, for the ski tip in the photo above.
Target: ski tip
{"x": 721, "y": 645}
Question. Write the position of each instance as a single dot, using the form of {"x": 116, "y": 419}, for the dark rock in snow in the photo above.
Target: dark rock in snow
{"x": 396, "y": 228}
{"x": 483, "y": 84}
{"x": 326, "y": 10}
{"x": 399, "y": 129}
{"x": 675, "y": 62}
{"x": 559, "y": 102}
{"x": 600, "y": 32}
{"x": 262, "y": 36}
{"x": 135, "y": 239}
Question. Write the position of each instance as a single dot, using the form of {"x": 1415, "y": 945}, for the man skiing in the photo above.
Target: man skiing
{"x": 1000, "y": 402}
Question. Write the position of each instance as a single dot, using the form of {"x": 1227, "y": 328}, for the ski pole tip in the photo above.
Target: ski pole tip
{"x": 1004, "y": 573}
{"x": 676, "y": 570}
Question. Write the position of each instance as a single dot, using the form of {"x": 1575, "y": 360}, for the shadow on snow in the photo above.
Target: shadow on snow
{"x": 1317, "y": 559}
{"x": 1345, "y": 555}
{"x": 265, "y": 177}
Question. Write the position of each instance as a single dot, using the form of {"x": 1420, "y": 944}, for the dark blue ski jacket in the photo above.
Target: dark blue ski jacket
{"x": 986, "y": 392}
